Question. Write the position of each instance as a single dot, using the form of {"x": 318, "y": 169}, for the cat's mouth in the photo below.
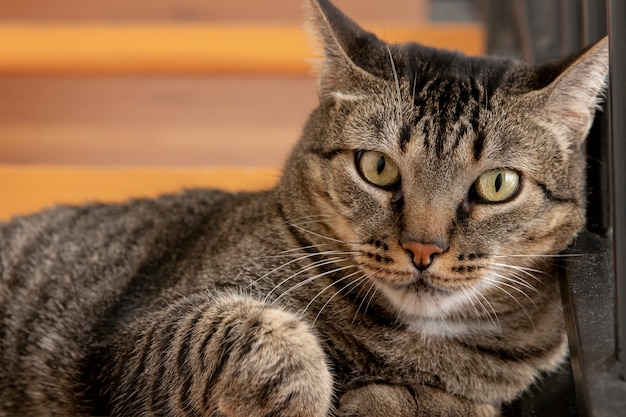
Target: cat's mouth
{"x": 411, "y": 281}
{"x": 419, "y": 283}
{"x": 427, "y": 294}
{"x": 439, "y": 280}
{"x": 433, "y": 283}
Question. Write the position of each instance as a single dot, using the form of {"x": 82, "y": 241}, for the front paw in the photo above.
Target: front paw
{"x": 226, "y": 356}
{"x": 275, "y": 366}
{"x": 379, "y": 400}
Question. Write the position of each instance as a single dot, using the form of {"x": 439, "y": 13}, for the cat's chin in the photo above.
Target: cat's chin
{"x": 420, "y": 298}
{"x": 419, "y": 284}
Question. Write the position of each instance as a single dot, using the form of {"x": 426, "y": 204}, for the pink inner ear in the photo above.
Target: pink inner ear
{"x": 575, "y": 119}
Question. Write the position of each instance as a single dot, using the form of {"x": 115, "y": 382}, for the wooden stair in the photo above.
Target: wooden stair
{"x": 149, "y": 49}
{"x": 107, "y": 100}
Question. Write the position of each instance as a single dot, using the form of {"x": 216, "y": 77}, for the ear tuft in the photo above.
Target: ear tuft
{"x": 574, "y": 96}
{"x": 339, "y": 40}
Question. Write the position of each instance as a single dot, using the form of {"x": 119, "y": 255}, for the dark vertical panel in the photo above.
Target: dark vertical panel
{"x": 617, "y": 30}
{"x": 598, "y": 143}
{"x": 571, "y": 26}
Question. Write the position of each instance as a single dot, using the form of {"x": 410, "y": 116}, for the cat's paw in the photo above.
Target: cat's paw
{"x": 485, "y": 410}
{"x": 269, "y": 363}
{"x": 379, "y": 400}
{"x": 433, "y": 402}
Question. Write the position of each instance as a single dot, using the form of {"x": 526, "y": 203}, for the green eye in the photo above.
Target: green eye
{"x": 377, "y": 168}
{"x": 498, "y": 185}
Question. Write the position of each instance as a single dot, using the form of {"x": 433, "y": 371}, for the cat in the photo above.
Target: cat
{"x": 404, "y": 265}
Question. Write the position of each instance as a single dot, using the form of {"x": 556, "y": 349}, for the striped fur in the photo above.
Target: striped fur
{"x": 302, "y": 300}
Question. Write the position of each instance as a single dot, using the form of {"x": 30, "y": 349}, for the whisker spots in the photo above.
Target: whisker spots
{"x": 378, "y": 244}
{"x": 471, "y": 256}
{"x": 462, "y": 269}
{"x": 379, "y": 258}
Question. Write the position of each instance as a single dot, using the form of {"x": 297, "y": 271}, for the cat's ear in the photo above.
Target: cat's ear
{"x": 347, "y": 49}
{"x": 573, "y": 97}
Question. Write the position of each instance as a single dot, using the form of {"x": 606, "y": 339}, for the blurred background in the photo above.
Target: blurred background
{"x": 179, "y": 82}
{"x": 111, "y": 99}
{"x": 106, "y": 100}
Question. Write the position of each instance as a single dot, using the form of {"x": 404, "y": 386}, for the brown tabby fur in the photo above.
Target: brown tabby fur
{"x": 301, "y": 301}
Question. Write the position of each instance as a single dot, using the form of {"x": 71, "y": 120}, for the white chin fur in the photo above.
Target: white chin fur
{"x": 428, "y": 313}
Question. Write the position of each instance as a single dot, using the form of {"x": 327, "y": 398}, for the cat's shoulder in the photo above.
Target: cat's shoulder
{"x": 164, "y": 214}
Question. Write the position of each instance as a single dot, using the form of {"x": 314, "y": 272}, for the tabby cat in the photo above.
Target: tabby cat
{"x": 403, "y": 265}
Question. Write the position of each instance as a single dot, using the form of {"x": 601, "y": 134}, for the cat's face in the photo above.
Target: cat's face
{"x": 397, "y": 176}
{"x": 448, "y": 179}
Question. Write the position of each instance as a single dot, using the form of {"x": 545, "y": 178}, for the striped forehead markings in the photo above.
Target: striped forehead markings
{"x": 441, "y": 106}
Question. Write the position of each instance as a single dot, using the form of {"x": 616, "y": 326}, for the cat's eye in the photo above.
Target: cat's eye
{"x": 377, "y": 168}
{"x": 497, "y": 186}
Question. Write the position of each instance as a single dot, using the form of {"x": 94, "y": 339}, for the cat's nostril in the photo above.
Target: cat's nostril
{"x": 423, "y": 253}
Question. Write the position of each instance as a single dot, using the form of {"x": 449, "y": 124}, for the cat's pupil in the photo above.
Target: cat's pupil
{"x": 380, "y": 167}
{"x": 498, "y": 183}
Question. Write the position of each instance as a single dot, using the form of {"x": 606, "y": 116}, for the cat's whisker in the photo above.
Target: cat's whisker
{"x": 278, "y": 268}
{"x": 372, "y": 285}
{"x": 371, "y": 298}
{"x": 365, "y": 297}
{"x": 524, "y": 269}
{"x": 323, "y": 253}
{"x": 309, "y": 280}
{"x": 310, "y": 220}
{"x": 470, "y": 296}
{"x": 514, "y": 277}
{"x": 307, "y": 222}
{"x": 317, "y": 234}
{"x": 515, "y": 271}
{"x": 397, "y": 84}
{"x": 303, "y": 248}
{"x": 521, "y": 281}
{"x": 473, "y": 298}
{"x": 309, "y": 217}
{"x": 560, "y": 255}
{"x": 349, "y": 285}
{"x": 513, "y": 287}
{"x": 358, "y": 281}
{"x": 498, "y": 285}
{"x": 304, "y": 310}
{"x": 314, "y": 265}
{"x": 494, "y": 318}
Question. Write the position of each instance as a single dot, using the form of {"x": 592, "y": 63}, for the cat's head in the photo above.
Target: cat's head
{"x": 444, "y": 176}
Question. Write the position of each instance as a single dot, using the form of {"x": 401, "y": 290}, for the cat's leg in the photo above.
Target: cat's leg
{"x": 225, "y": 356}
{"x": 379, "y": 400}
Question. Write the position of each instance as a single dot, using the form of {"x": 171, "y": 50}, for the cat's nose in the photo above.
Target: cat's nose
{"x": 423, "y": 253}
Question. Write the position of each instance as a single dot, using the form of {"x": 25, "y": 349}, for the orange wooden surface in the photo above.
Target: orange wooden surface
{"x": 186, "y": 121}
{"x": 176, "y": 48}
{"x": 277, "y": 11}
{"x": 27, "y": 189}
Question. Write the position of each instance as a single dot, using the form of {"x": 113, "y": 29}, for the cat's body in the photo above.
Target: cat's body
{"x": 375, "y": 279}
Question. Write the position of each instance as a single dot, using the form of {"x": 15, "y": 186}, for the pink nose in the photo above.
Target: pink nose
{"x": 422, "y": 253}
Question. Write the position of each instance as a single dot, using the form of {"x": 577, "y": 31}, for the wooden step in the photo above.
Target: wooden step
{"x": 27, "y": 48}
{"x": 274, "y": 11}
{"x": 173, "y": 82}
{"x": 163, "y": 121}
{"x": 27, "y": 189}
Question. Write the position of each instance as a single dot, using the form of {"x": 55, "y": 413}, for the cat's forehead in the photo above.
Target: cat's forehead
{"x": 434, "y": 116}
{"x": 419, "y": 66}
{"x": 438, "y": 106}
{"x": 442, "y": 86}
